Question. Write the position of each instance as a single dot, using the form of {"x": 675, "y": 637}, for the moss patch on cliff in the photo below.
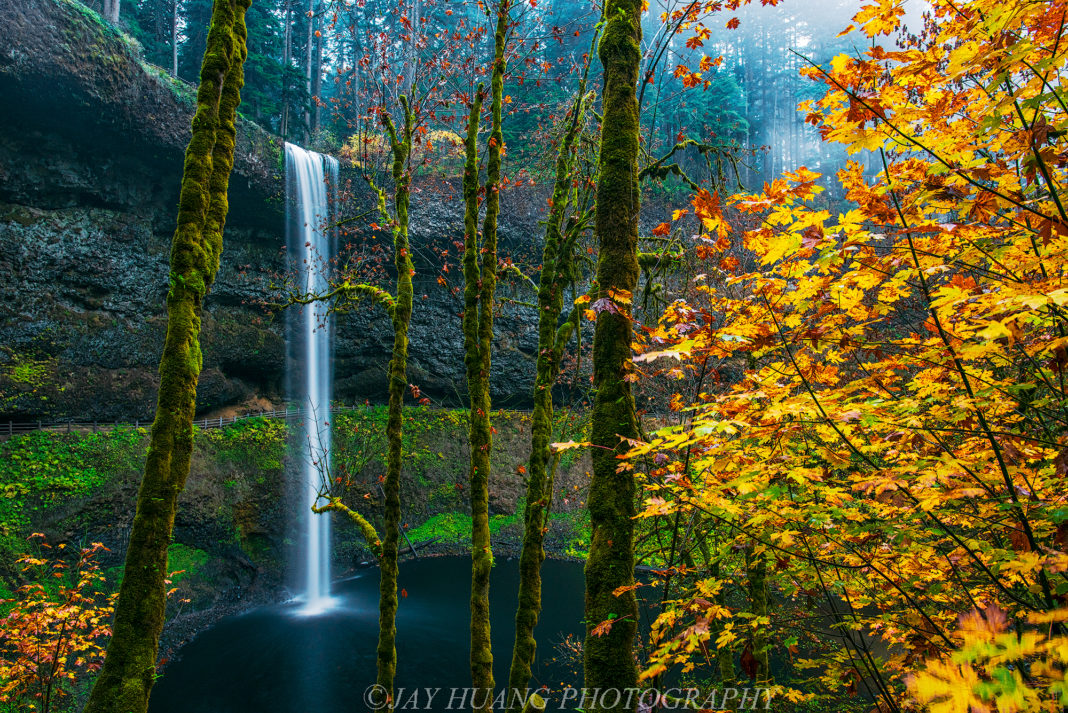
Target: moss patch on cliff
{"x": 46, "y": 471}
{"x": 255, "y": 443}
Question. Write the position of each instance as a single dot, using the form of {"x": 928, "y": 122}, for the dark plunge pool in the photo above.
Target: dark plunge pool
{"x": 275, "y": 660}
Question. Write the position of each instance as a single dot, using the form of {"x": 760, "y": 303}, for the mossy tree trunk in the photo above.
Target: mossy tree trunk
{"x": 556, "y": 273}
{"x": 129, "y": 668}
{"x": 756, "y": 570}
{"x": 401, "y": 148}
{"x": 724, "y": 653}
{"x": 608, "y": 655}
{"x": 480, "y": 285}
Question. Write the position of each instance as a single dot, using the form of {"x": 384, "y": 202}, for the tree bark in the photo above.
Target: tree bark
{"x": 556, "y": 272}
{"x": 480, "y": 285}
{"x": 608, "y": 654}
{"x": 174, "y": 38}
{"x": 129, "y": 669}
{"x": 401, "y": 147}
{"x": 287, "y": 58}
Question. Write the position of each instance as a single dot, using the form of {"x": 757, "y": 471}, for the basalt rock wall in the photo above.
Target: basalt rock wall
{"x": 91, "y": 147}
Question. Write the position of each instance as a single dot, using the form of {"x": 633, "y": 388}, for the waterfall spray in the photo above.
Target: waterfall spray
{"x": 309, "y": 177}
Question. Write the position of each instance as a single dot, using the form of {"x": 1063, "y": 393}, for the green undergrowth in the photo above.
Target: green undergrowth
{"x": 44, "y": 470}
{"x": 259, "y": 443}
{"x": 577, "y": 526}
{"x": 454, "y": 528}
{"x": 185, "y": 561}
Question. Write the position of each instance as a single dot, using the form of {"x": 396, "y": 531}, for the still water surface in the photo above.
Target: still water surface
{"x": 274, "y": 660}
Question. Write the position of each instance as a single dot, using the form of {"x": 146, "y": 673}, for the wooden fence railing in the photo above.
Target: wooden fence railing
{"x": 15, "y": 428}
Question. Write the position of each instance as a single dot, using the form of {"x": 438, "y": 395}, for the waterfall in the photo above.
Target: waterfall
{"x": 309, "y": 178}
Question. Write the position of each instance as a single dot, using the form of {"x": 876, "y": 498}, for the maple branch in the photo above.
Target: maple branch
{"x": 868, "y": 661}
{"x": 904, "y": 489}
{"x": 966, "y": 382}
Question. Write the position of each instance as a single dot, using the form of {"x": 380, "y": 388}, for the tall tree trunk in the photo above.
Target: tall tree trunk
{"x": 287, "y": 58}
{"x": 756, "y": 570}
{"x": 317, "y": 83}
{"x": 556, "y": 272}
{"x": 130, "y": 665}
{"x": 401, "y": 147}
{"x": 608, "y": 654}
{"x": 174, "y": 38}
{"x": 473, "y": 363}
{"x": 309, "y": 52}
{"x": 480, "y": 286}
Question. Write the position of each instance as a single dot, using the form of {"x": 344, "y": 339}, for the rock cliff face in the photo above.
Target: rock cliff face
{"x": 91, "y": 145}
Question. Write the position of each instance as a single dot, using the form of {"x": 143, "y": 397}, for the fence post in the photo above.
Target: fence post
{"x": 68, "y": 425}
{"x": 94, "y": 425}
{"x": 137, "y": 423}
{"x": 10, "y": 428}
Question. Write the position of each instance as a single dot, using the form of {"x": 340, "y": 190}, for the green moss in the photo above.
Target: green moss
{"x": 184, "y": 561}
{"x": 577, "y": 525}
{"x": 44, "y": 470}
{"x": 608, "y": 660}
{"x": 256, "y": 442}
{"x": 31, "y": 373}
{"x": 454, "y": 528}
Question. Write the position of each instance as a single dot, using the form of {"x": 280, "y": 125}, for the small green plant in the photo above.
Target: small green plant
{"x": 455, "y": 528}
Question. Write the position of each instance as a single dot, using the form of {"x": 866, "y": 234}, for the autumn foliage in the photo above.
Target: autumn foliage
{"x": 891, "y": 435}
{"x": 54, "y": 630}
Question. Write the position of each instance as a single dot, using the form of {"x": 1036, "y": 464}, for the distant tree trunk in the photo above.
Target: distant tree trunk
{"x": 287, "y": 58}
{"x": 317, "y": 83}
{"x": 724, "y": 653}
{"x": 130, "y": 665}
{"x": 556, "y": 272}
{"x": 756, "y": 570}
{"x": 309, "y": 54}
{"x": 111, "y": 11}
{"x": 611, "y": 621}
{"x": 480, "y": 286}
{"x": 401, "y": 147}
{"x": 174, "y": 38}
